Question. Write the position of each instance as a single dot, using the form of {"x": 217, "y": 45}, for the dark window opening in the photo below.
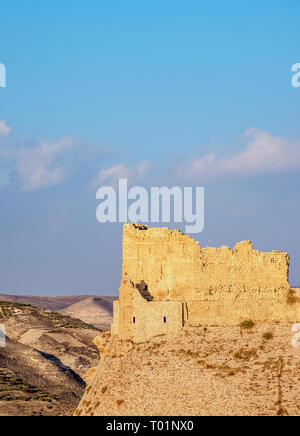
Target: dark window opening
{"x": 133, "y": 320}
{"x": 165, "y": 319}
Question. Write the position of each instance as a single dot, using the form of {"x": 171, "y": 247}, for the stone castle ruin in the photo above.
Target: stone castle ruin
{"x": 169, "y": 281}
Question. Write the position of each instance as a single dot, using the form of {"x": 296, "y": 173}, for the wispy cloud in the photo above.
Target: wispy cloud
{"x": 41, "y": 165}
{"x": 112, "y": 175}
{"x": 37, "y": 167}
{"x": 4, "y": 128}
{"x": 264, "y": 154}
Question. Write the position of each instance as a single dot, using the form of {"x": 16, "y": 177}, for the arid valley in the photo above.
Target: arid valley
{"x": 48, "y": 353}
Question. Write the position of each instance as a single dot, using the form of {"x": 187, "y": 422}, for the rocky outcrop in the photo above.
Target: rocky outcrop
{"x": 198, "y": 371}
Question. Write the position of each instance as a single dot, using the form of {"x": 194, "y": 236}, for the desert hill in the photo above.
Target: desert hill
{"x": 102, "y": 306}
{"x": 51, "y": 303}
{"x": 92, "y": 310}
{"x": 208, "y": 370}
{"x": 44, "y": 363}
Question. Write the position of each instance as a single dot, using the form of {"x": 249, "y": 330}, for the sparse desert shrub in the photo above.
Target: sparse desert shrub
{"x": 190, "y": 353}
{"x": 77, "y": 325}
{"x": 86, "y": 403}
{"x": 104, "y": 389}
{"x": 225, "y": 370}
{"x": 247, "y": 324}
{"x": 210, "y": 366}
{"x": 119, "y": 402}
{"x": 15, "y": 389}
{"x": 291, "y": 297}
{"x": 243, "y": 354}
{"x": 268, "y": 336}
{"x": 281, "y": 411}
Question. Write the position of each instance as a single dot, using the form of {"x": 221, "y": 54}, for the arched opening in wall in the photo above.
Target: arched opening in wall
{"x": 165, "y": 319}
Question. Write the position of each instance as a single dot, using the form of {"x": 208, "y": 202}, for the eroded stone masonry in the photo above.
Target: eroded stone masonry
{"x": 169, "y": 281}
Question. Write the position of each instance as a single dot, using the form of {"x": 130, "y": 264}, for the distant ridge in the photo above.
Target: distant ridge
{"x": 96, "y": 310}
{"x": 51, "y": 303}
{"x": 92, "y": 310}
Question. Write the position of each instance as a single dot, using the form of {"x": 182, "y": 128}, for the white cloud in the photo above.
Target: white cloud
{"x": 40, "y": 165}
{"x": 112, "y": 175}
{"x": 264, "y": 154}
{"x": 37, "y": 167}
{"x": 4, "y": 128}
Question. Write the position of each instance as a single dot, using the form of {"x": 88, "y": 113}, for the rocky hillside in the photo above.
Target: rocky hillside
{"x": 242, "y": 370}
{"x": 45, "y": 361}
{"x": 95, "y": 310}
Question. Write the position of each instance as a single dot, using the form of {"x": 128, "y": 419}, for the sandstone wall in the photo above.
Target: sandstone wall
{"x": 233, "y": 312}
{"x": 155, "y": 318}
{"x": 141, "y": 320}
{"x": 216, "y": 286}
{"x": 175, "y": 267}
{"x": 123, "y": 311}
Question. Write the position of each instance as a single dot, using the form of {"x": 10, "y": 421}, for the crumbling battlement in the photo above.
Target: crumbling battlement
{"x": 174, "y": 265}
{"x": 169, "y": 281}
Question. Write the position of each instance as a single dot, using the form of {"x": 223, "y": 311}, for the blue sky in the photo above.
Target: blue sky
{"x": 174, "y": 86}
